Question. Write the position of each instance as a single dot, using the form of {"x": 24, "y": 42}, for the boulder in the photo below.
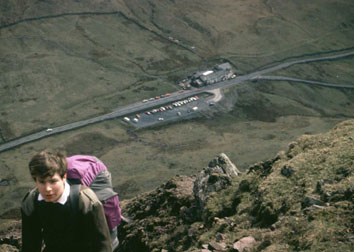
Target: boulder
{"x": 244, "y": 244}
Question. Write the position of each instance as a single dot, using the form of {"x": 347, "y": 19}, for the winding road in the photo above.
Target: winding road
{"x": 310, "y": 82}
{"x": 140, "y": 106}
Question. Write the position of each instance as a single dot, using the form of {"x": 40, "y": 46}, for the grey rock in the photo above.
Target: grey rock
{"x": 205, "y": 246}
{"x": 223, "y": 162}
{"x": 309, "y": 201}
{"x": 219, "y": 237}
{"x": 244, "y": 244}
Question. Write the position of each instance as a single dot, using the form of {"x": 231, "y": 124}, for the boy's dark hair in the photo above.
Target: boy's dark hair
{"x": 48, "y": 162}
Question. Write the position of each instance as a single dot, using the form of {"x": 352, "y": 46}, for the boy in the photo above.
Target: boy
{"x": 65, "y": 218}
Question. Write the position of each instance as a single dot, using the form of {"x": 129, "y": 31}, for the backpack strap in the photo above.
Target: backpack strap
{"x": 74, "y": 198}
{"x": 73, "y": 181}
{"x": 29, "y": 202}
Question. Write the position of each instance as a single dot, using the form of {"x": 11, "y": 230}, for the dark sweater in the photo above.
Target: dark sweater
{"x": 61, "y": 228}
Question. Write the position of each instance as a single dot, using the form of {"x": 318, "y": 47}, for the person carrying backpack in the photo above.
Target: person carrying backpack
{"x": 58, "y": 216}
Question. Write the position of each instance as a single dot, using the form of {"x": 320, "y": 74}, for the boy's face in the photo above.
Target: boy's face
{"x": 51, "y": 188}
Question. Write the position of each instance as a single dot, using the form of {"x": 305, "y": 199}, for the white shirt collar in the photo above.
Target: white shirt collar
{"x": 63, "y": 198}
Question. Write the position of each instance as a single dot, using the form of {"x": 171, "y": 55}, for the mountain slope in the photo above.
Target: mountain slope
{"x": 303, "y": 199}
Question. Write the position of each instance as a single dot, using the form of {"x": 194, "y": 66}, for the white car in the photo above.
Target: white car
{"x": 49, "y": 130}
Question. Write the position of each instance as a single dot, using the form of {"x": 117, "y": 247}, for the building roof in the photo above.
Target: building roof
{"x": 208, "y": 72}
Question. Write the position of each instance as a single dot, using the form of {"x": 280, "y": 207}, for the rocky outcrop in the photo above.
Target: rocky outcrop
{"x": 172, "y": 209}
{"x": 217, "y": 176}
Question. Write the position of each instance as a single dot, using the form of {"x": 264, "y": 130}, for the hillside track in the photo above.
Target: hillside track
{"x": 305, "y": 55}
{"x": 310, "y": 82}
{"x": 33, "y": 19}
{"x": 97, "y": 13}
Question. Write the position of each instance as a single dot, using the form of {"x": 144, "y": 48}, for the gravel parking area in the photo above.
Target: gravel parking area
{"x": 182, "y": 109}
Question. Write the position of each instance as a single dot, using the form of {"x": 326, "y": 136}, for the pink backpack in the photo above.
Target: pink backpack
{"x": 91, "y": 172}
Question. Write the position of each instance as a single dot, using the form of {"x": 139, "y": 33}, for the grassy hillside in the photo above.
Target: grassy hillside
{"x": 63, "y": 61}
